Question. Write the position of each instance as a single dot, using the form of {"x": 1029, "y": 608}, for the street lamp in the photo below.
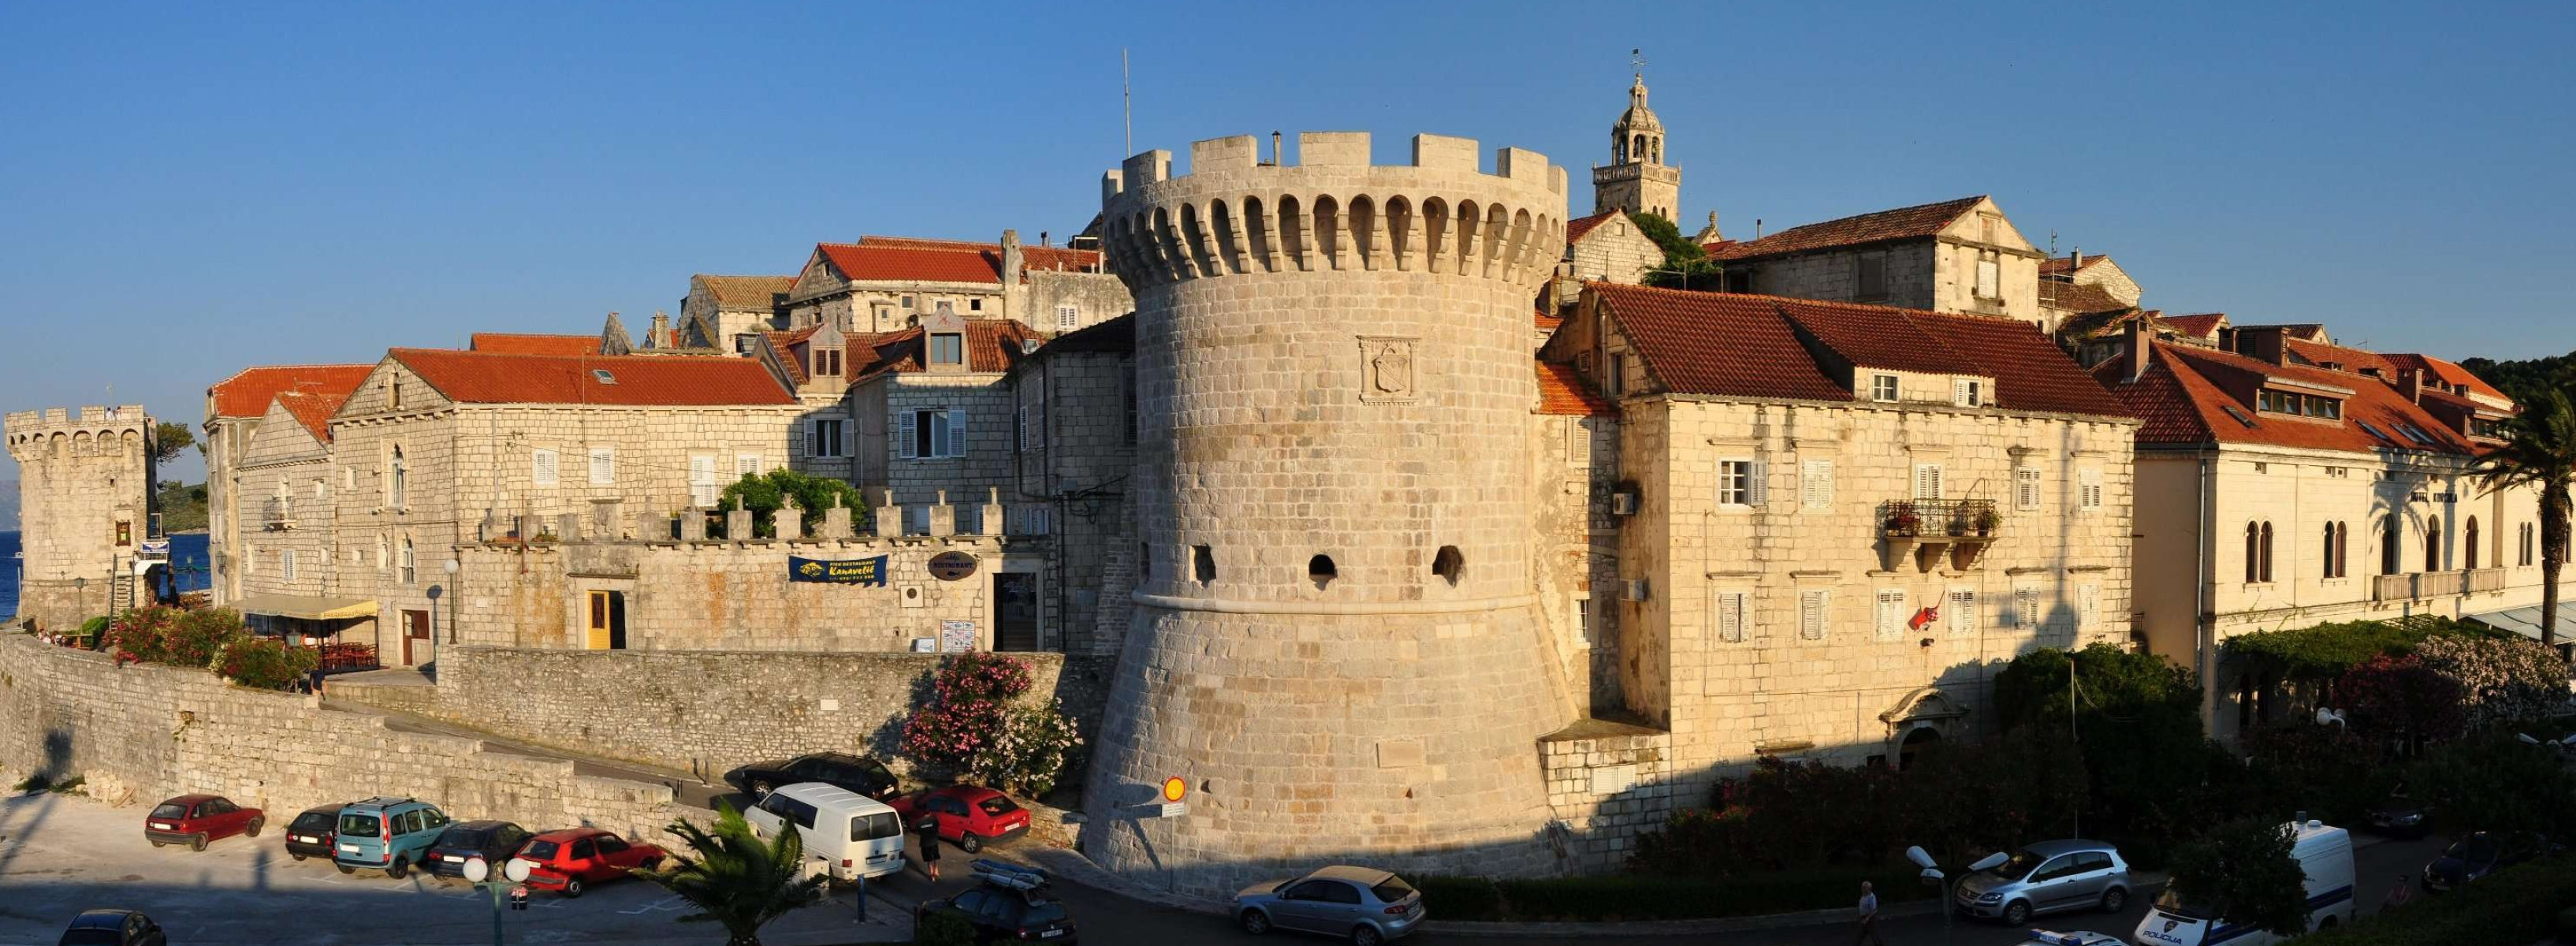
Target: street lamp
{"x": 80, "y": 591}
{"x": 1949, "y": 906}
{"x": 451, "y": 567}
{"x": 513, "y": 874}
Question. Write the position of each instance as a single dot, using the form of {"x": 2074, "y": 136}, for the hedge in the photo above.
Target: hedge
{"x": 2515, "y": 906}
{"x": 1635, "y": 897}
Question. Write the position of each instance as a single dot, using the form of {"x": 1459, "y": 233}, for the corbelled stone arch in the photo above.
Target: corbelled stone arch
{"x": 1328, "y": 232}
{"x": 1516, "y": 254}
{"x": 1471, "y": 229}
{"x": 1368, "y": 247}
{"x": 1400, "y": 243}
{"x": 1435, "y": 233}
{"x": 1194, "y": 237}
{"x": 1229, "y": 238}
{"x": 83, "y": 444}
{"x": 1292, "y": 233}
{"x": 1498, "y": 227}
{"x": 1167, "y": 241}
{"x": 1259, "y": 240}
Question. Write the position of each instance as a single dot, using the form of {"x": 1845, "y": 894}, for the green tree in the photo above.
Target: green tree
{"x": 943, "y": 929}
{"x": 2495, "y": 782}
{"x": 764, "y": 495}
{"x": 2540, "y": 452}
{"x": 169, "y": 438}
{"x": 2135, "y": 719}
{"x": 734, "y": 878}
{"x": 2242, "y": 872}
{"x": 1686, "y": 265}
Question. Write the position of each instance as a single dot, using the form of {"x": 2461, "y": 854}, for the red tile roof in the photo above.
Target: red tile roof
{"x": 1902, "y": 223}
{"x": 2436, "y": 369}
{"x": 2079, "y": 298}
{"x": 501, "y": 343}
{"x": 1758, "y": 346}
{"x": 859, "y": 263}
{"x": 2056, "y": 265}
{"x": 248, "y": 393}
{"x": 745, "y": 292}
{"x": 2339, "y": 358}
{"x": 2184, "y": 400}
{"x": 640, "y": 380}
{"x": 991, "y": 345}
{"x": 1034, "y": 257}
{"x": 1577, "y": 227}
{"x": 1562, "y": 392}
{"x": 313, "y": 410}
{"x": 1545, "y": 322}
{"x": 2205, "y": 325}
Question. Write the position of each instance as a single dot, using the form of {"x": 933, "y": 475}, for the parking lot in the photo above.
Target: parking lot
{"x": 61, "y": 854}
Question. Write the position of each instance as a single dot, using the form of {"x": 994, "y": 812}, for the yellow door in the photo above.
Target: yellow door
{"x": 598, "y": 637}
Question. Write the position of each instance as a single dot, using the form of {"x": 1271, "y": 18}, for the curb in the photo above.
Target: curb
{"x": 1073, "y": 866}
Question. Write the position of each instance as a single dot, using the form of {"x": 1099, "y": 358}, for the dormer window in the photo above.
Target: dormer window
{"x": 2298, "y": 405}
{"x": 1882, "y": 387}
{"x": 1967, "y": 392}
{"x": 2486, "y": 428}
{"x": 827, "y": 362}
{"x": 947, "y": 348}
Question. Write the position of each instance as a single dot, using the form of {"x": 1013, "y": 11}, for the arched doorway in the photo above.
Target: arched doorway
{"x": 1916, "y": 739}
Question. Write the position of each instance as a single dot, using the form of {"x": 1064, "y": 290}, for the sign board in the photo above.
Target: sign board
{"x": 956, "y": 637}
{"x": 859, "y": 571}
{"x": 951, "y": 566}
{"x": 1175, "y": 809}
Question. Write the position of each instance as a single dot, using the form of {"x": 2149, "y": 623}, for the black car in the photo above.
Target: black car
{"x": 860, "y": 774}
{"x": 2475, "y": 857}
{"x": 312, "y": 833}
{"x": 2402, "y": 815}
{"x": 492, "y": 841}
{"x": 112, "y": 928}
{"x": 1001, "y": 914}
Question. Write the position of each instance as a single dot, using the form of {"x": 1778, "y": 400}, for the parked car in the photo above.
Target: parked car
{"x": 313, "y": 832}
{"x": 1370, "y": 906}
{"x": 2076, "y": 938}
{"x": 2475, "y": 857}
{"x": 860, "y": 775}
{"x": 969, "y": 816}
{"x": 2047, "y": 877}
{"x": 568, "y": 861}
{"x": 2402, "y": 814}
{"x": 851, "y": 835}
{"x": 1012, "y": 905}
{"x": 387, "y": 834}
{"x": 112, "y": 928}
{"x": 194, "y": 820}
{"x": 492, "y": 842}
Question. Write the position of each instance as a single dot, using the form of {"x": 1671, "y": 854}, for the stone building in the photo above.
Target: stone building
{"x": 1959, "y": 256}
{"x": 1637, "y": 180}
{"x": 738, "y": 307}
{"x": 287, "y": 561}
{"x": 1074, "y": 453}
{"x": 235, "y": 408}
{"x": 883, "y": 284}
{"x": 1332, "y": 638}
{"x": 2288, "y": 483}
{"x": 85, "y": 527}
{"x": 1609, "y": 247}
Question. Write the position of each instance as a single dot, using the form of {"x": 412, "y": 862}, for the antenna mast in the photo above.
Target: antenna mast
{"x": 1126, "y": 106}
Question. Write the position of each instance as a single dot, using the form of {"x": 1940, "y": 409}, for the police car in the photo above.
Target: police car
{"x": 2077, "y": 938}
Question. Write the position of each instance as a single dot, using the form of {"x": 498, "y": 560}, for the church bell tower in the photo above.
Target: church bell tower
{"x": 1637, "y": 180}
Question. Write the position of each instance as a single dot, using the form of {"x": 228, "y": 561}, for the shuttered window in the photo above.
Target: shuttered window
{"x": 1960, "y": 610}
{"x": 2026, "y": 488}
{"x": 603, "y": 466}
{"x": 542, "y": 467}
{"x": 2089, "y": 484}
{"x": 1927, "y": 481}
{"x": 1816, "y": 484}
{"x": 1814, "y": 611}
{"x": 2088, "y": 608}
{"x": 2026, "y": 608}
{"x": 1741, "y": 482}
{"x": 1890, "y": 614}
{"x": 702, "y": 482}
{"x": 1733, "y": 609}
{"x": 934, "y": 434}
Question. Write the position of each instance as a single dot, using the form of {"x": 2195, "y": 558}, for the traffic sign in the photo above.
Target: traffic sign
{"x": 1175, "y": 809}
{"x": 1174, "y": 788}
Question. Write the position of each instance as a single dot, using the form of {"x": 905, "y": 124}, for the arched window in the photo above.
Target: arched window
{"x": 408, "y": 563}
{"x": 2432, "y": 543}
{"x": 400, "y": 482}
{"x": 2253, "y": 553}
{"x": 2328, "y": 558}
{"x": 2267, "y": 553}
{"x": 2343, "y": 549}
{"x": 2469, "y": 544}
{"x": 2391, "y": 560}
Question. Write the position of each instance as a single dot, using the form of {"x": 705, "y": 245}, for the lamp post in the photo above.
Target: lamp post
{"x": 513, "y": 874}
{"x": 1949, "y": 905}
{"x": 451, "y": 567}
{"x": 80, "y": 592}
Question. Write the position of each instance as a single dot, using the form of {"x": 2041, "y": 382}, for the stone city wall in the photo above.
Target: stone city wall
{"x": 142, "y": 733}
{"x": 1607, "y": 786}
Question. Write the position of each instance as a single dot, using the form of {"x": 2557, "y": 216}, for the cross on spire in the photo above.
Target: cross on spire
{"x": 1637, "y": 61}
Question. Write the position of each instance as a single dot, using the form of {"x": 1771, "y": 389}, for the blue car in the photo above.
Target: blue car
{"x": 388, "y": 834}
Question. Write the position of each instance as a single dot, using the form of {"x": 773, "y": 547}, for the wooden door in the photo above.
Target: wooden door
{"x": 597, "y": 638}
{"x": 415, "y": 638}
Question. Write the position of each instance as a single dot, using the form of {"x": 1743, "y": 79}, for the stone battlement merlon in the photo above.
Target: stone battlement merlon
{"x": 1232, "y": 214}
{"x": 29, "y": 432}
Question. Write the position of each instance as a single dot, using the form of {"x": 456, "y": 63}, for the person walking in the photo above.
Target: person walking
{"x": 1868, "y": 918}
{"x": 930, "y": 848}
{"x": 2399, "y": 895}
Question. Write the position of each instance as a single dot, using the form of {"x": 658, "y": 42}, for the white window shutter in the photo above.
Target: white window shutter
{"x": 1960, "y": 612}
{"x": 1927, "y": 481}
{"x": 2088, "y": 607}
{"x": 1812, "y": 608}
{"x": 1816, "y": 484}
{"x": 542, "y": 467}
{"x": 1757, "y": 487}
{"x": 905, "y": 434}
{"x": 1578, "y": 442}
{"x": 956, "y": 432}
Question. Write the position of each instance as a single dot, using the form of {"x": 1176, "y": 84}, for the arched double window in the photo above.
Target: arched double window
{"x": 2391, "y": 557}
{"x": 2258, "y": 552}
{"x": 2432, "y": 543}
{"x": 2335, "y": 557}
{"x": 2469, "y": 544}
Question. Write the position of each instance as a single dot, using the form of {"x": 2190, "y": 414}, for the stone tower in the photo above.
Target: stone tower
{"x": 1637, "y": 180}
{"x": 1335, "y": 641}
{"x": 85, "y": 503}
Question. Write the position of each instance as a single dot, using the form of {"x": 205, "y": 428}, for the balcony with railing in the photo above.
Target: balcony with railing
{"x": 2486, "y": 579}
{"x": 1934, "y": 529}
{"x": 2416, "y": 586}
{"x": 278, "y": 514}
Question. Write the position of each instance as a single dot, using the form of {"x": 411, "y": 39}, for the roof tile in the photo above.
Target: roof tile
{"x": 746, "y": 292}
{"x": 2183, "y": 400}
{"x": 504, "y": 343}
{"x": 1561, "y": 392}
{"x": 248, "y": 392}
{"x": 1900, "y": 224}
{"x": 637, "y": 380}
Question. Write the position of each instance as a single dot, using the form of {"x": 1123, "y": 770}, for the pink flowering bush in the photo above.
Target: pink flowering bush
{"x": 975, "y": 724}
{"x": 2504, "y": 679}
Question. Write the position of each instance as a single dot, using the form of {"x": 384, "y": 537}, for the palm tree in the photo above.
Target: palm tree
{"x": 735, "y": 878}
{"x": 2539, "y": 451}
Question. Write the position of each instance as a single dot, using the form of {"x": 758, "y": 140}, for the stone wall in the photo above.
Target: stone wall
{"x": 1617, "y": 251}
{"x": 84, "y": 506}
{"x": 1095, "y": 298}
{"x": 1609, "y": 783}
{"x": 1576, "y": 466}
{"x": 285, "y": 489}
{"x": 710, "y": 711}
{"x": 1076, "y": 452}
{"x": 142, "y": 733}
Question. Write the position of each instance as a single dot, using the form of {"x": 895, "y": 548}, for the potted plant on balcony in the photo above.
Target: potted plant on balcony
{"x": 1902, "y": 521}
{"x": 1987, "y": 519}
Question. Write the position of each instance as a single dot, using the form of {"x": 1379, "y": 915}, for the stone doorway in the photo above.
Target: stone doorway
{"x": 1015, "y": 611}
{"x": 415, "y": 638}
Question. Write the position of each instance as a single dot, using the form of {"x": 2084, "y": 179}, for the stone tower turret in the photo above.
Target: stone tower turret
{"x": 1335, "y": 642}
{"x": 1637, "y": 180}
{"x": 84, "y": 509}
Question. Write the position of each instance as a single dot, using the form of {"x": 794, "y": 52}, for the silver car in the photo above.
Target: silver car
{"x": 1369, "y": 906}
{"x": 2048, "y": 877}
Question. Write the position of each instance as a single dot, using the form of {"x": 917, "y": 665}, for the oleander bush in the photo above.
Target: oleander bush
{"x": 978, "y": 724}
{"x": 265, "y": 663}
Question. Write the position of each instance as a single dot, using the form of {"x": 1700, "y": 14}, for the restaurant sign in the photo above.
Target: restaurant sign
{"x": 858, "y": 571}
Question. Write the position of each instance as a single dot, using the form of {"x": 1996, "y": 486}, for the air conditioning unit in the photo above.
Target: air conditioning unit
{"x": 1636, "y": 589}
{"x": 1623, "y": 503}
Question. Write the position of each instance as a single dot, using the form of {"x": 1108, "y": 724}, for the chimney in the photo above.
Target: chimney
{"x": 1043, "y": 240}
{"x": 659, "y": 336}
{"x": 2076, "y": 258}
{"x": 1757, "y": 228}
{"x": 2414, "y": 387}
{"x": 2135, "y": 352}
{"x": 1011, "y": 259}
{"x": 1274, "y": 149}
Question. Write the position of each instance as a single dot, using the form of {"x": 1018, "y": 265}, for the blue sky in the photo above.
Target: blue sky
{"x": 191, "y": 190}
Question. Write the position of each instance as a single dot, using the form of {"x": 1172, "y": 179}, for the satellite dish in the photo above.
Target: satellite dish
{"x": 516, "y": 870}
{"x": 476, "y": 871}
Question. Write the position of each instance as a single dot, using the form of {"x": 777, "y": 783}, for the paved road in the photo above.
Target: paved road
{"x": 1108, "y": 918}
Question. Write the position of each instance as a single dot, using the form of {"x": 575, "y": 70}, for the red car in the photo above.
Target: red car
{"x": 566, "y": 861}
{"x": 194, "y": 820}
{"x": 970, "y": 816}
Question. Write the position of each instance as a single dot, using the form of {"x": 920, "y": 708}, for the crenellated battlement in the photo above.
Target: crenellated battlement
{"x": 1232, "y": 214}
{"x": 91, "y": 429}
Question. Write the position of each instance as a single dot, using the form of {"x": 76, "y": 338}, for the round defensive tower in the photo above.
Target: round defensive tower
{"x": 1335, "y": 641}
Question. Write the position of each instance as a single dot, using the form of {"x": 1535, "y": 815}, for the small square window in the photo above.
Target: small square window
{"x": 947, "y": 348}
{"x": 974, "y": 305}
{"x": 1882, "y": 387}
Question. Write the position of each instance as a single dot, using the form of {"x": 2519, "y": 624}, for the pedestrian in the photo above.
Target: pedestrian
{"x": 2399, "y": 895}
{"x": 930, "y": 848}
{"x": 863, "y": 896}
{"x": 1868, "y": 918}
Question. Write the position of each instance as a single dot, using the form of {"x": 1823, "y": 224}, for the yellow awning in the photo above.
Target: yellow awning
{"x": 300, "y": 606}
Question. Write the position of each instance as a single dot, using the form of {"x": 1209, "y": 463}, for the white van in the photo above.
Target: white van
{"x": 2324, "y": 853}
{"x": 852, "y": 835}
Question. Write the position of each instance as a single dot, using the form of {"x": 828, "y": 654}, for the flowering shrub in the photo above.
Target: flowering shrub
{"x": 141, "y": 635}
{"x": 2401, "y": 697}
{"x": 972, "y": 725}
{"x": 265, "y": 662}
{"x": 2504, "y": 679}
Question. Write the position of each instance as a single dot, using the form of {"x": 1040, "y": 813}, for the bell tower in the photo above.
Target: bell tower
{"x": 1637, "y": 180}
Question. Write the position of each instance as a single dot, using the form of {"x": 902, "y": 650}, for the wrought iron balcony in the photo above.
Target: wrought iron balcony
{"x": 1933, "y": 528}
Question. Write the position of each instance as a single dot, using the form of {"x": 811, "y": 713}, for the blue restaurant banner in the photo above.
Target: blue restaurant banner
{"x": 860, "y": 571}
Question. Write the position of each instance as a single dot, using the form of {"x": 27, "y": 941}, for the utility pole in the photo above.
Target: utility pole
{"x": 1126, "y": 106}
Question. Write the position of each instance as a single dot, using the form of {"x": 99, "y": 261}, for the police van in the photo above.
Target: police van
{"x": 2324, "y": 853}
